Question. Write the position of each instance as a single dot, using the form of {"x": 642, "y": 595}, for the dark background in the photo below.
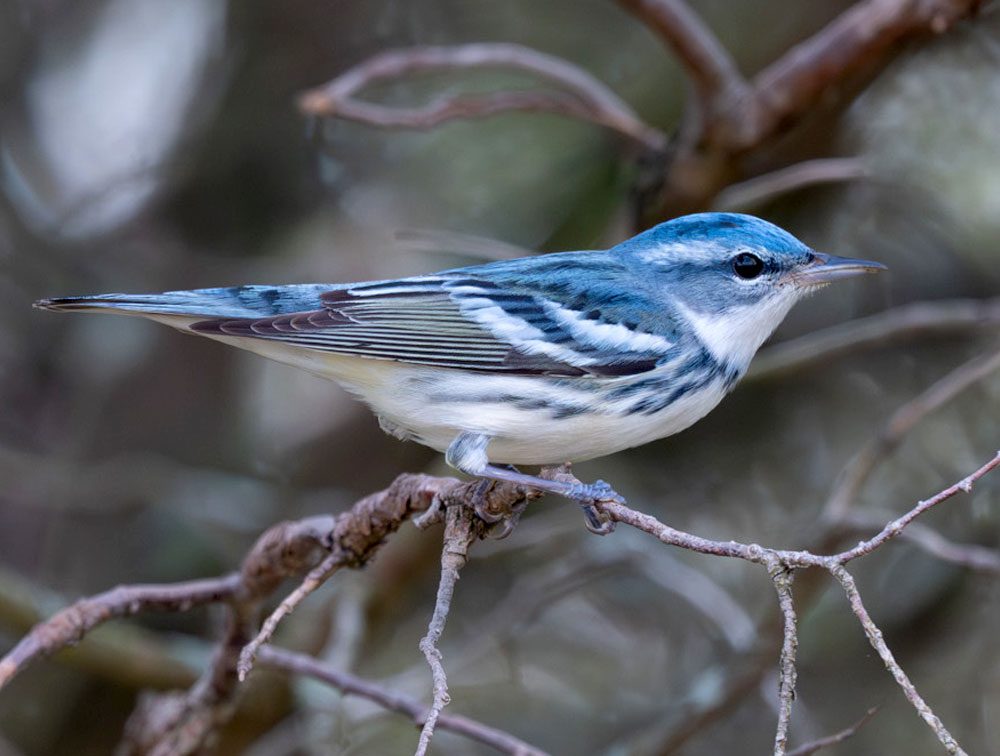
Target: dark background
{"x": 148, "y": 145}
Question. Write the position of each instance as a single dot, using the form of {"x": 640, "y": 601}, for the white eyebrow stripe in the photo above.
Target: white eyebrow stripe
{"x": 681, "y": 252}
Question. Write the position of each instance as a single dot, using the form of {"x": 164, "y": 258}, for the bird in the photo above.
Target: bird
{"x": 539, "y": 360}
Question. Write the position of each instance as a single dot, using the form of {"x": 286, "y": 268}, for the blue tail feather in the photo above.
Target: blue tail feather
{"x": 231, "y": 302}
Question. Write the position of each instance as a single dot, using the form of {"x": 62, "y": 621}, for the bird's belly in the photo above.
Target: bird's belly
{"x": 532, "y": 420}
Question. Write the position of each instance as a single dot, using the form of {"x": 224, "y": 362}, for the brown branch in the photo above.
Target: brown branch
{"x": 863, "y": 36}
{"x": 807, "y": 749}
{"x": 459, "y": 534}
{"x": 940, "y": 318}
{"x": 184, "y": 722}
{"x": 583, "y": 96}
{"x": 863, "y": 39}
{"x": 902, "y": 421}
{"x": 300, "y": 664}
{"x": 706, "y": 61}
{"x": 70, "y": 625}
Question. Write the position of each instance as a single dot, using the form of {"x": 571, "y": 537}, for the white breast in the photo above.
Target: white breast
{"x": 427, "y": 403}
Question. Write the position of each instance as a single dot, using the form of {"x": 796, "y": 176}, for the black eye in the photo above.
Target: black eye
{"x": 747, "y": 266}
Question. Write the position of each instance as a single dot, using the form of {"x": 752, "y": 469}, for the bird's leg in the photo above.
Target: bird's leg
{"x": 468, "y": 454}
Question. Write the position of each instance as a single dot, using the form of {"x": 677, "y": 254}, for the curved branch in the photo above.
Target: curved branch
{"x": 70, "y": 625}
{"x": 861, "y": 37}
{"x": 583, "y": 97}
{"x": 707, "y": 62}
{"x": 754, "y": 192}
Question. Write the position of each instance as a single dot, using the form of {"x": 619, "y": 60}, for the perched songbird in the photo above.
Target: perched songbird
{"x": 539, "y": 360}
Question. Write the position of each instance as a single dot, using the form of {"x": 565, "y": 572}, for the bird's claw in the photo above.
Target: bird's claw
{"x": 596, "y": 521}
{"x": 500, "y": 523}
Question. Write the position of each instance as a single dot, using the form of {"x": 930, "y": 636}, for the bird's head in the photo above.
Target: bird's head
{"x": 733, "y": 277}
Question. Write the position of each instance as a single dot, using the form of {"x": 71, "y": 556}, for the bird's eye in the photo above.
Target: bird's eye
{"x": 747, "y": 266}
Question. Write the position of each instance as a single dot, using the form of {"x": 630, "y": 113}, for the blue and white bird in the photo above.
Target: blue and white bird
{"x": 539, "y": 360}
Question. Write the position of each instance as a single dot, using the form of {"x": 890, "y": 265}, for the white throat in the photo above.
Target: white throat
{"x": 734, "y": 337}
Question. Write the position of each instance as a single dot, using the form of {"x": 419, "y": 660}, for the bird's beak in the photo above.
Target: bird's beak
{"x": 825, "y": 269}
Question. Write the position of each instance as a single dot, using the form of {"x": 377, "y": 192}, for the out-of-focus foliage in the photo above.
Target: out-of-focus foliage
{"x": 148, "y": 145}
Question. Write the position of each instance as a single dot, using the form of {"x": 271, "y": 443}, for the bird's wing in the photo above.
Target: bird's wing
{"x": 457, "y": 320}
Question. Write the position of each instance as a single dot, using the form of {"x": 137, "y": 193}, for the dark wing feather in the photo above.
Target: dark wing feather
{"x": 427, "y": 321}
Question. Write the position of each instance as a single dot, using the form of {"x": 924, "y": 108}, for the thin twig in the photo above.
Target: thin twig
{"x": 583, "y": 96}
{"x": 459, "y": 533}
{"x": 790, "y": 558}
{"x": 750, "y": 194}
{"x": 349, "y": 684}
{"x": 878, "y": 643}
{"x": 800, "y": 559}
{"x": 895, "y": 527}
{"x": 968, "y": 555}
{"x": 316, "y": 577}
{"x": 807, "y": 749}
{"x": 352, "y": 539}
{"x": 781, "y": 577}
{"x": 902, "y": 421}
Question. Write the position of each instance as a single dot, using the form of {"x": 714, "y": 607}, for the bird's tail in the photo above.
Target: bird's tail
{"x": 231, "y": 302}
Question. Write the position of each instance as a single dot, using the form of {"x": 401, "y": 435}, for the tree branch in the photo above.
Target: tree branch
{"x": 939, "y": 318}
{"x": 748, "y": 195}
{"x": 583, "y": 97}
{"x": 834, "y": 563}
{"x": 300, "y": 664}
{"x": 878, "y": 643}
{"x": 902, "y": 421}
{"x": 782, "y": 577}
{"x": 706, "y": 61}
{"x": 807, "y": 749}
{"x": 863, "y": 36}
{"x": 459, "y": 534}
{"x": 71, "y": 624}
{"x": 968, "y": 555}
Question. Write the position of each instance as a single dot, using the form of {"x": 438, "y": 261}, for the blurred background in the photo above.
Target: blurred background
{"x": 149, "y": 145}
